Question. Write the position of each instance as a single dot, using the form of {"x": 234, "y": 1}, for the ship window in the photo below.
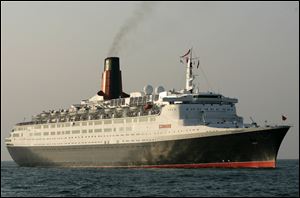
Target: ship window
{"x": 16, "y": 135}
{"x": 90, "y": 130}
{"x": 128, "y": 128}
{"x": 121, "y": 129}
{"x": 76, "y": 123}
{"x": 98, "y": 122}
{"x": 67, "y": 132}
{"x": 58, "y": 132}
{"x": 37, "y": 134}
{"x": 37, "y": 127}
{"x": 84, "y": 123}
{"x": 52, "y": 126}
{"x": 118, "y": 121}
{"x": 45, "y": 126}
{"x": 152, "y": 119}
{"x": 67, "y": 124}
{"x": 107, "y": 130}
{"x": 75, "y": 131}
{"x": 58, "y": 125}
{"x": 134, "y": 119}
{"x": 143, "y": 119}
{"x": 97, "y": 130}
{"x": 84, "y": 131}
{"x": 90, "y": 123}
{"x": 128, "y": 120}
{"x": 52, "y": 133}
{"x": 46, "y": 133}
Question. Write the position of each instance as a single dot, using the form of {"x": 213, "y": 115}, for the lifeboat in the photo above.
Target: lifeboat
{"x": 148, "y": 106}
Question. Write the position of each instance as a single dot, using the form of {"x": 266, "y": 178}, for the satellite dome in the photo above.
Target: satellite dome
{"x": 148, "y": 89}
{"x": 159, "y": 89}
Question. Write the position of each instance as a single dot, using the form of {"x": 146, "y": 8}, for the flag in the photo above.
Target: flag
{"x": 283, "y": 117}
{"x": 186, "y": 54}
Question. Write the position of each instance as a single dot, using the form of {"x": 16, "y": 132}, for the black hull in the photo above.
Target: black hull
{"x": 249, "y": 149}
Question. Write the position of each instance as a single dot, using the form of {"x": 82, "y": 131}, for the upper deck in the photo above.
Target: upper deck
{"x": 199, "y": 98}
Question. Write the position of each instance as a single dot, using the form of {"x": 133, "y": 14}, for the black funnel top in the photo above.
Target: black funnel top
{"x": 112, "y": 63}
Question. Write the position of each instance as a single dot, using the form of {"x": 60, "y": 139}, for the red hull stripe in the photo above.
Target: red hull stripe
{"x": 250, "y": 164}
{"x": 259, "y": 164}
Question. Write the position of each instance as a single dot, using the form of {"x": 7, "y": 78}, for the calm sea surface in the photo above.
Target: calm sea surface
{"x": 22, "y": 181}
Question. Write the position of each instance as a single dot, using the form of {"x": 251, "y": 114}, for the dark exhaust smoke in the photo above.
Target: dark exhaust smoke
{"x": 141, "y": 12}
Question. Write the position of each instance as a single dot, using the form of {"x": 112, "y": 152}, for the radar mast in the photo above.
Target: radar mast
{"x": 188, "y": 58}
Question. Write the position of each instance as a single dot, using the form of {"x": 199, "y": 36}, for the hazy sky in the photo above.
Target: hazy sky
{"x": 52, "y": 55}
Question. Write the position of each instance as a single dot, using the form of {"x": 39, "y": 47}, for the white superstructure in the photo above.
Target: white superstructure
{"x": 143, "y": 117}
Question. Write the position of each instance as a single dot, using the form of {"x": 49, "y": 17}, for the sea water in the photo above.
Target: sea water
{"x": 210, "y": 182}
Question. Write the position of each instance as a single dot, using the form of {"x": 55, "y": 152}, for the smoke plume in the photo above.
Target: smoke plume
{"x": 140, "y": 13}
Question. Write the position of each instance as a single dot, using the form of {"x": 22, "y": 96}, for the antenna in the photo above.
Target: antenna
{"x": 199, "y": 65}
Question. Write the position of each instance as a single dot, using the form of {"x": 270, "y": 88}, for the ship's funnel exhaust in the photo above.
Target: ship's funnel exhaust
{"x": 111, "y": 87}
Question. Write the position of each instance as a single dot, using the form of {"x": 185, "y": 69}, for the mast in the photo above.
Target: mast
{"x": 189, "y": 73}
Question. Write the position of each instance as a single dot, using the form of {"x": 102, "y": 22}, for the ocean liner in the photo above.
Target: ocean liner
{"x": 148, "y": 129}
